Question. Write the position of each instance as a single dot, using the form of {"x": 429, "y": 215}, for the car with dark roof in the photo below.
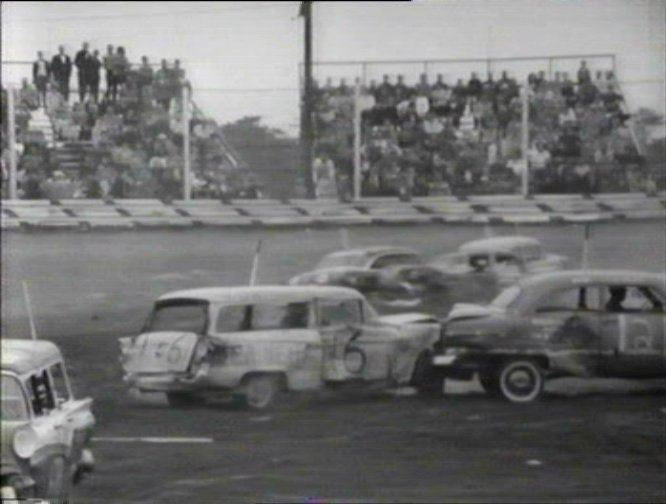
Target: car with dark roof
{"x": 583, "y": 323}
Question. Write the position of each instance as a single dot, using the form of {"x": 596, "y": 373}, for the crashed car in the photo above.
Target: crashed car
{"x": 587, "y": 323}
{"x": 252, "y": 342}
{"x": 45, "y": 431}
{"x": 507, "y": 258}
{"x": 371, "y": 269}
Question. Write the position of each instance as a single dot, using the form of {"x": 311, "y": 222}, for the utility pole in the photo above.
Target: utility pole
{"x": 11, "y": 137}
{"x": 185, "y": 117}
{"x": 307, "y": 137}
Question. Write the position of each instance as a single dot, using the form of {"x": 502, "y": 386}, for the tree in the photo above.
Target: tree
{"x": 269, "y": 152}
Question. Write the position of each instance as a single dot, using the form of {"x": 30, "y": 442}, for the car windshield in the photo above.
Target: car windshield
{"x": 14, "y": 405}
{"x": 179, "y": 315}
{"x": 344, "y": 259}
{"x": 506, "y": 298}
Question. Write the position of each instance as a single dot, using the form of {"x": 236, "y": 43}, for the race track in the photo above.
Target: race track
{"x": 598, "y": 440}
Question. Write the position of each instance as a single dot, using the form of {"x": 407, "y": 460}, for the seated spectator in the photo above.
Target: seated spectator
{"x": 58, "y": 187}
{"x": 28, "y": 96}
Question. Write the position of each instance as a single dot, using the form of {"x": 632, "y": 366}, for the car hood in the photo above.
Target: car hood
{"x": 467, "y": 311}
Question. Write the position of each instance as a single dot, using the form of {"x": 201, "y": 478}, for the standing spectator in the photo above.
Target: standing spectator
{"x": 161, "y": 85}
{"x": 568, "y": 91}
{"x": 41, "y": 71}
{"x": 401, "y": 91}
{"x": 145, "y": 80}
{"x": 584, "y": 76}
{"x": 423, "y": 87}
{"x": 61, "y": 68}
{"x": 111, "y": 84}
{"x": 81, "y": 60}
{"x": 474, "y": 87}
{"x": 385, "y": 93}
{"x": 120, "y": 67}
{"x": 92, "y": 74}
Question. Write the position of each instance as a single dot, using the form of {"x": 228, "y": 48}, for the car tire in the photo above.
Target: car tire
{"x": 259, "y": 392}
{"x": 53, "y": 481}
{"x": 183, "y": 400}
{"x": 520, "y": 380}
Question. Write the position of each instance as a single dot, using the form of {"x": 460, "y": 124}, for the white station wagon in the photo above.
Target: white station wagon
{"x": 252, "y": 342}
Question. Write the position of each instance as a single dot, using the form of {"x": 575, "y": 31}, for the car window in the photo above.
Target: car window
{"x": 335, "y": 260}
{"x": 337, "y": 312}
{"x": 479, "y": 262}
{"x": 632, "y": 299}
{"x": 59, "y": 382}
{"x": 233, "y": 319}
{"x": 393, "y": 259}
{"x": 179, "y": 316}
{"x": 564, "y": 300}
{"x": 280, "y": 316}
{"x": 41, "y": 394}
{"x": 14, "y": 403}
{"x": 529, "y": 252}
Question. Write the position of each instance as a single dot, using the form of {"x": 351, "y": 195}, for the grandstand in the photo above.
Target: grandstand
{"x": 128, "y": 145}
{"x": 442, "y": 127}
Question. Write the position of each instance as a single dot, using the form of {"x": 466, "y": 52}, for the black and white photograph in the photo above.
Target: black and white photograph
{"x": 319, "y": 252}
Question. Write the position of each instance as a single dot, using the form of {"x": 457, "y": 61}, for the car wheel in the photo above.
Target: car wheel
{"x": 183, "y": 399}
{"x": 520, "y": 380}
{"x": 260, "y": 391}
{"x": 53, "y": 481}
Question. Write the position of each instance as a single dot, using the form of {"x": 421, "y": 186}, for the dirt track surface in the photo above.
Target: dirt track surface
{"x": 586, "y": 441}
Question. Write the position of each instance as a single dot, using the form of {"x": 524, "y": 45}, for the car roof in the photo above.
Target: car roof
{"x": 498, "y": 243}
{"x": 263, "y": 293}
{"x": 372, "y": 251}
{"x": 565, "y": 278}
{"x": 23, "y": 356}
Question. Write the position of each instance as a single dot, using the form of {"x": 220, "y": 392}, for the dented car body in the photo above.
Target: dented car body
{"x": 506, "y": 258}
{"x": 45, "y": 431}
{"x": 251, "y": 342}
{"x": 602, "y": 323}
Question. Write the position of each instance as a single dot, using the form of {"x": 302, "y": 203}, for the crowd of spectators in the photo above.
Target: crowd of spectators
{"x": 129, "y": 138}
{"x": 432, "y": 138}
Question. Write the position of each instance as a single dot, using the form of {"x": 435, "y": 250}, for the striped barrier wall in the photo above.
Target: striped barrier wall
{"x": 151, "y": 213}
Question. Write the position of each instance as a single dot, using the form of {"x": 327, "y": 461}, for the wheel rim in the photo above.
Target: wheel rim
{"x": 260, "y": 392}
{"x": 521, "y": 382}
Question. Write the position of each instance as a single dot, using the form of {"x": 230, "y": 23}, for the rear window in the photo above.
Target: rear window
{"x": 190, "y": 316}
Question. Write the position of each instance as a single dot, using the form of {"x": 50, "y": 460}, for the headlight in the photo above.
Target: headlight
{"x": 25, "y": 443}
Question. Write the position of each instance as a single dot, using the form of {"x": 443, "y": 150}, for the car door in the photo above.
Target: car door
{"x": 632, "y": 334}
{"x": 49, "y": 421}
{"x": 566, "y": 323}
{"x": 340, "y": 322}
{"x": 72, "y": 416}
